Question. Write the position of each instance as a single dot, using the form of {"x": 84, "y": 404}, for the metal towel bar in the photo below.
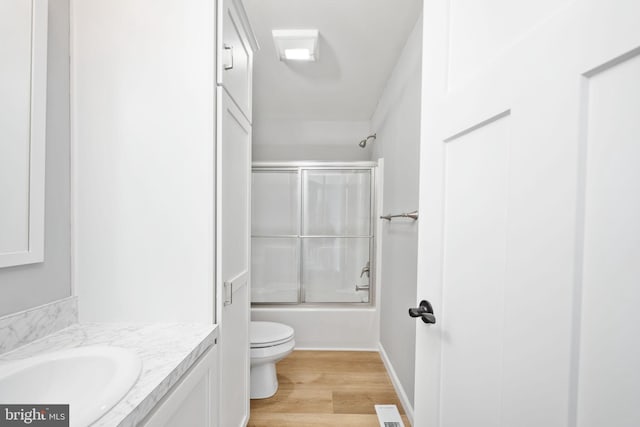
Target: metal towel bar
{"x": 413, "y": 215}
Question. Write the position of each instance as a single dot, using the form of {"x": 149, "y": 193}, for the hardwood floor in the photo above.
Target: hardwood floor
{"x": 327, "y": 388}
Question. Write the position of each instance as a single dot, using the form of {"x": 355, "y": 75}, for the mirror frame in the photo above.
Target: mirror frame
{"x": 35, "y": 250}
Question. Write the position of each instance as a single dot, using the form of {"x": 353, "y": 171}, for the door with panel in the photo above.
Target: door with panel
{"x": 236, "y": 44}
{"x": 232, "y": 259}
{"x": 235, "y": 51}
{"x": 530, "y": 193}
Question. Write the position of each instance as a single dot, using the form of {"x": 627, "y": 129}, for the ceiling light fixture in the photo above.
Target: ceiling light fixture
{"x": 296, "y": 45}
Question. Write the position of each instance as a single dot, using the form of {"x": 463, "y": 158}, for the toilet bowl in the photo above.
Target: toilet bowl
{"x": 270, "y": 343}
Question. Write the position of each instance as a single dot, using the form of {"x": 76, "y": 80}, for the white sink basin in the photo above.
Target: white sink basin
{"x": 90, "y": 379}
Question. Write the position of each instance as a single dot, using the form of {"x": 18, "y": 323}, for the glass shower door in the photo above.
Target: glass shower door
{"x": 275, "y": 236}
{"x": 336, "y": 235}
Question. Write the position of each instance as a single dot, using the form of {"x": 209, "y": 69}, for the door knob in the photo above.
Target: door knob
{"x": 425, "y": 311}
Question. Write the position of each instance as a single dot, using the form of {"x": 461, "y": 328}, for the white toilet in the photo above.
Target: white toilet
{"x": 270, "y": 343}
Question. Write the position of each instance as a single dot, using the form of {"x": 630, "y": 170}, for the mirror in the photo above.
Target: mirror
{"x": 23, "y": 79}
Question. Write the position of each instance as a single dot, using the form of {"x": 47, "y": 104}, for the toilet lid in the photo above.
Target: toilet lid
{"x": 267, "y": 334}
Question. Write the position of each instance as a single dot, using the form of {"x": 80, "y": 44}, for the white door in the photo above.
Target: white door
{"x": 232, "y": 259}
{"x": 529, "y": 245}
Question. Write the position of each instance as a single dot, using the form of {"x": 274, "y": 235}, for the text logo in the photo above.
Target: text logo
{"x": 34, "y": 415}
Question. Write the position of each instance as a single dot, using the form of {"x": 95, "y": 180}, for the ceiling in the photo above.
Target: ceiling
{"x": 360, "y": 41}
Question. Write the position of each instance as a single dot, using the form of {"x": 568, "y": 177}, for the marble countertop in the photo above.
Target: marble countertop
{"x": 167, "y": 352}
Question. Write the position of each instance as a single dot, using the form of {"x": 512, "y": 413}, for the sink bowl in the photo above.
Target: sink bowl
{"x": 90, "y": 379}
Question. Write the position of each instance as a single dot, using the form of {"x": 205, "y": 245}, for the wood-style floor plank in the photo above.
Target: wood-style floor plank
{"x": 363, "y": 403}
{"x": 292, "y": 401}
{"x": 327, "y": 388}
{"x": 316, "y": 420}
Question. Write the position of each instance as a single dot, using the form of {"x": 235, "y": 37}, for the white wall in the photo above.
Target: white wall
{"x": 31, "y": 285}
{"x": 290, "y": 139}
{"x": 397, "y": 123}
{"x": 143, "y": 159}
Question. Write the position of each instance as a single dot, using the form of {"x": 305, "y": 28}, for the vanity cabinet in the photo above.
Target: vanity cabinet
{"x": 193, "y": 400}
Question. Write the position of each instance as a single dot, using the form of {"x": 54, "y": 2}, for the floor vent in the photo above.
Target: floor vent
{"x": 389, "y": 416}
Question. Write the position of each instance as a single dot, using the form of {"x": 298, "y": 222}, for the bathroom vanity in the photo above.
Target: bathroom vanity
{"x": 178, "y": 382}
{"x": 193, "y": 399}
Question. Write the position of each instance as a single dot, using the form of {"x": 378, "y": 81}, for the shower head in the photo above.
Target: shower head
{"x": 363, "y": 143}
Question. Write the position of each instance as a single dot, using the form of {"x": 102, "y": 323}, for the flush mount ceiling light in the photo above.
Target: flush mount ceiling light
{"x": 296, "y": 45}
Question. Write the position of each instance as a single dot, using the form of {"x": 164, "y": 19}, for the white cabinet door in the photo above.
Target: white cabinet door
{"x": 235, "y": 56}
{"x": 529, "y": 241}
{"x": 232, "y": 259}
{"x": 193, "y": 400}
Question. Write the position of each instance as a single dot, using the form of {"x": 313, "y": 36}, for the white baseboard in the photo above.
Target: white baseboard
{"x": 334, "y": 349}
{"x": 408, "y": 409}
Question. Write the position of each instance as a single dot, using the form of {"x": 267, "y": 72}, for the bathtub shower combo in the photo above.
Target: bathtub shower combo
{"x": 312, "y": 243}
{"x": 312, "y": 233}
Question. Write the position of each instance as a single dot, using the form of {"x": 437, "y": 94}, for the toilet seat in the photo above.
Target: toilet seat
{"x": 269, "y": 334}
{"x": 274, "y": 351}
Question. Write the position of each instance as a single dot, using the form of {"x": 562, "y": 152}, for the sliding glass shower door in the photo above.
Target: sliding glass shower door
{"x": 336, "y": 234}
{"x": 312, "y": 234}
{"x": 275, "y": 242}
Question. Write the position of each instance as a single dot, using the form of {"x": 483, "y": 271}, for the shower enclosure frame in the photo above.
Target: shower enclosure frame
{"x": 298, "y": 167}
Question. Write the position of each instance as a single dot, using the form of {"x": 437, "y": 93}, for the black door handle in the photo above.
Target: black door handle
{"x": 425, "y": 311}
